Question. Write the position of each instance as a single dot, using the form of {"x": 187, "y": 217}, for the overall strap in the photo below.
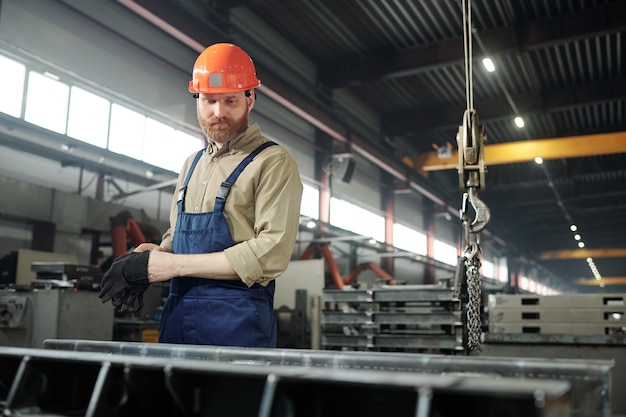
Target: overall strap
{"x": 220, "y": 200}
{"x": 183, "y": 190}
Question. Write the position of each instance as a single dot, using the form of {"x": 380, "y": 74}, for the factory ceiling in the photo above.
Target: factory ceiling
{"x": 558, "y": 64}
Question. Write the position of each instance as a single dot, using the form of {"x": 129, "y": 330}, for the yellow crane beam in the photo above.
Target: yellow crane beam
{"x": 582, "y": 254}
{"x": 528, "y": 150}
{"x": 602, "y": 281}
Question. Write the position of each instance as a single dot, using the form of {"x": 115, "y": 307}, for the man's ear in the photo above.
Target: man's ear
{"x": 251, "y": 99}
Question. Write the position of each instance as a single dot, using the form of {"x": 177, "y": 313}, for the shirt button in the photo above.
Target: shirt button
{"x": 214, "y": 159}
{"x": 204, "y": 182}
{"x": 196, "y": 208}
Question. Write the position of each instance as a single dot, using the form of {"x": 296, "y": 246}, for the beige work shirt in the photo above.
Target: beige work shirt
{"x": 262, "y": 208}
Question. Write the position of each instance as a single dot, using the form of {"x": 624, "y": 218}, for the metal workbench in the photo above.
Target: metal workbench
{"x": 47, "y": 382}
{"x": 589, "y": 380}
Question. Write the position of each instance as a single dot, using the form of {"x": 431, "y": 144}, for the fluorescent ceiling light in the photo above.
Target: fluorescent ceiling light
{"x": 489, "y": 66}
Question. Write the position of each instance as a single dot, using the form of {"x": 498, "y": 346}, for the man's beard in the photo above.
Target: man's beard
{"x": 221, "y": 134}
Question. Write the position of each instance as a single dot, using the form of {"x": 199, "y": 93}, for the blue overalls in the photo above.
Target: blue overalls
{"x": 209, "y": 311}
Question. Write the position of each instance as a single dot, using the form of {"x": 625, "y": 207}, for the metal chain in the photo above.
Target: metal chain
{"x": 471, "y": 138}
{"x": 473, "y": 307}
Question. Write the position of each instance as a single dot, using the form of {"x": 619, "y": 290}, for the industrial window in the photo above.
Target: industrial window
{"x": 531, "y": 285}
{"x": 158, "y": 140}
{"x": 126, "y": 131}
{"x": 310, "y": 205}
{"x": 357, "y": 219}
{"x": 503, "y": 270}
{"x": 444, "y": 252}
{"x": 46, "y": 102}
{"x": 524, "y": 283}
{"x": 146, "y": 139}
{"x": 12, "y": 76}
{"x": 488, "y": 270}
{"x": 180, "y": 145}
{"x": 88, "y": 119}
{"x": 91, "y": 118}
{"x": 410, "y": 240}
{"x": 541, "y": 289}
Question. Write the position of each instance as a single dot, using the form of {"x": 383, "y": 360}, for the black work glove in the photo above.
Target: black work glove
{"x": 129, "y": 300}
{"x": 126, "y": 281}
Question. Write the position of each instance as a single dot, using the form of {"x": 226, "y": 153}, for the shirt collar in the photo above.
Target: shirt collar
{"x": 232, "y": 146}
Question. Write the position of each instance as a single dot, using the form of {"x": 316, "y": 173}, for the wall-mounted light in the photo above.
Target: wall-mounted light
{"x": 343, "y": 166}
{"x": 67, "y": 148}
{"x": 538, "y": 160}
{"x": 519, "y": 122}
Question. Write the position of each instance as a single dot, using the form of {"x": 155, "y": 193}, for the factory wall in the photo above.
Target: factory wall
{"x": 129, "y": 65}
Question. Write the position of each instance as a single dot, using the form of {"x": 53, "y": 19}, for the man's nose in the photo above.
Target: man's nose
{"x": 219, "y": 109}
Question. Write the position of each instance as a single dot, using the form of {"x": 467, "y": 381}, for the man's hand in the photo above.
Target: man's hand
{"x": 148, "y": 246}
{"x": 126, "y": 281}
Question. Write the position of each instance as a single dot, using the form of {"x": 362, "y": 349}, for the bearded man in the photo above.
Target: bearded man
{"x": 233, "y": 220}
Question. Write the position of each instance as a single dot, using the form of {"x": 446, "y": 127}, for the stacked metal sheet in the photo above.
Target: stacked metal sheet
{"x": 577, "y": 314}
{"x": 408, "y": 318}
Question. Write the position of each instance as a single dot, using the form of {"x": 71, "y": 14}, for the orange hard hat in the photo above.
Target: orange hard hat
{"x": 223, "y": 68}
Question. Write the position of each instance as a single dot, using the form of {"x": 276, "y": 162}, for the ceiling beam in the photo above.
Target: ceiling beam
{"x": 528, "y": 150}
{"x": 606, "y": 176}
{"x": 533, "y": 35}
{"x": 582, "y": 254}
{"x": 499, "y": 108}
